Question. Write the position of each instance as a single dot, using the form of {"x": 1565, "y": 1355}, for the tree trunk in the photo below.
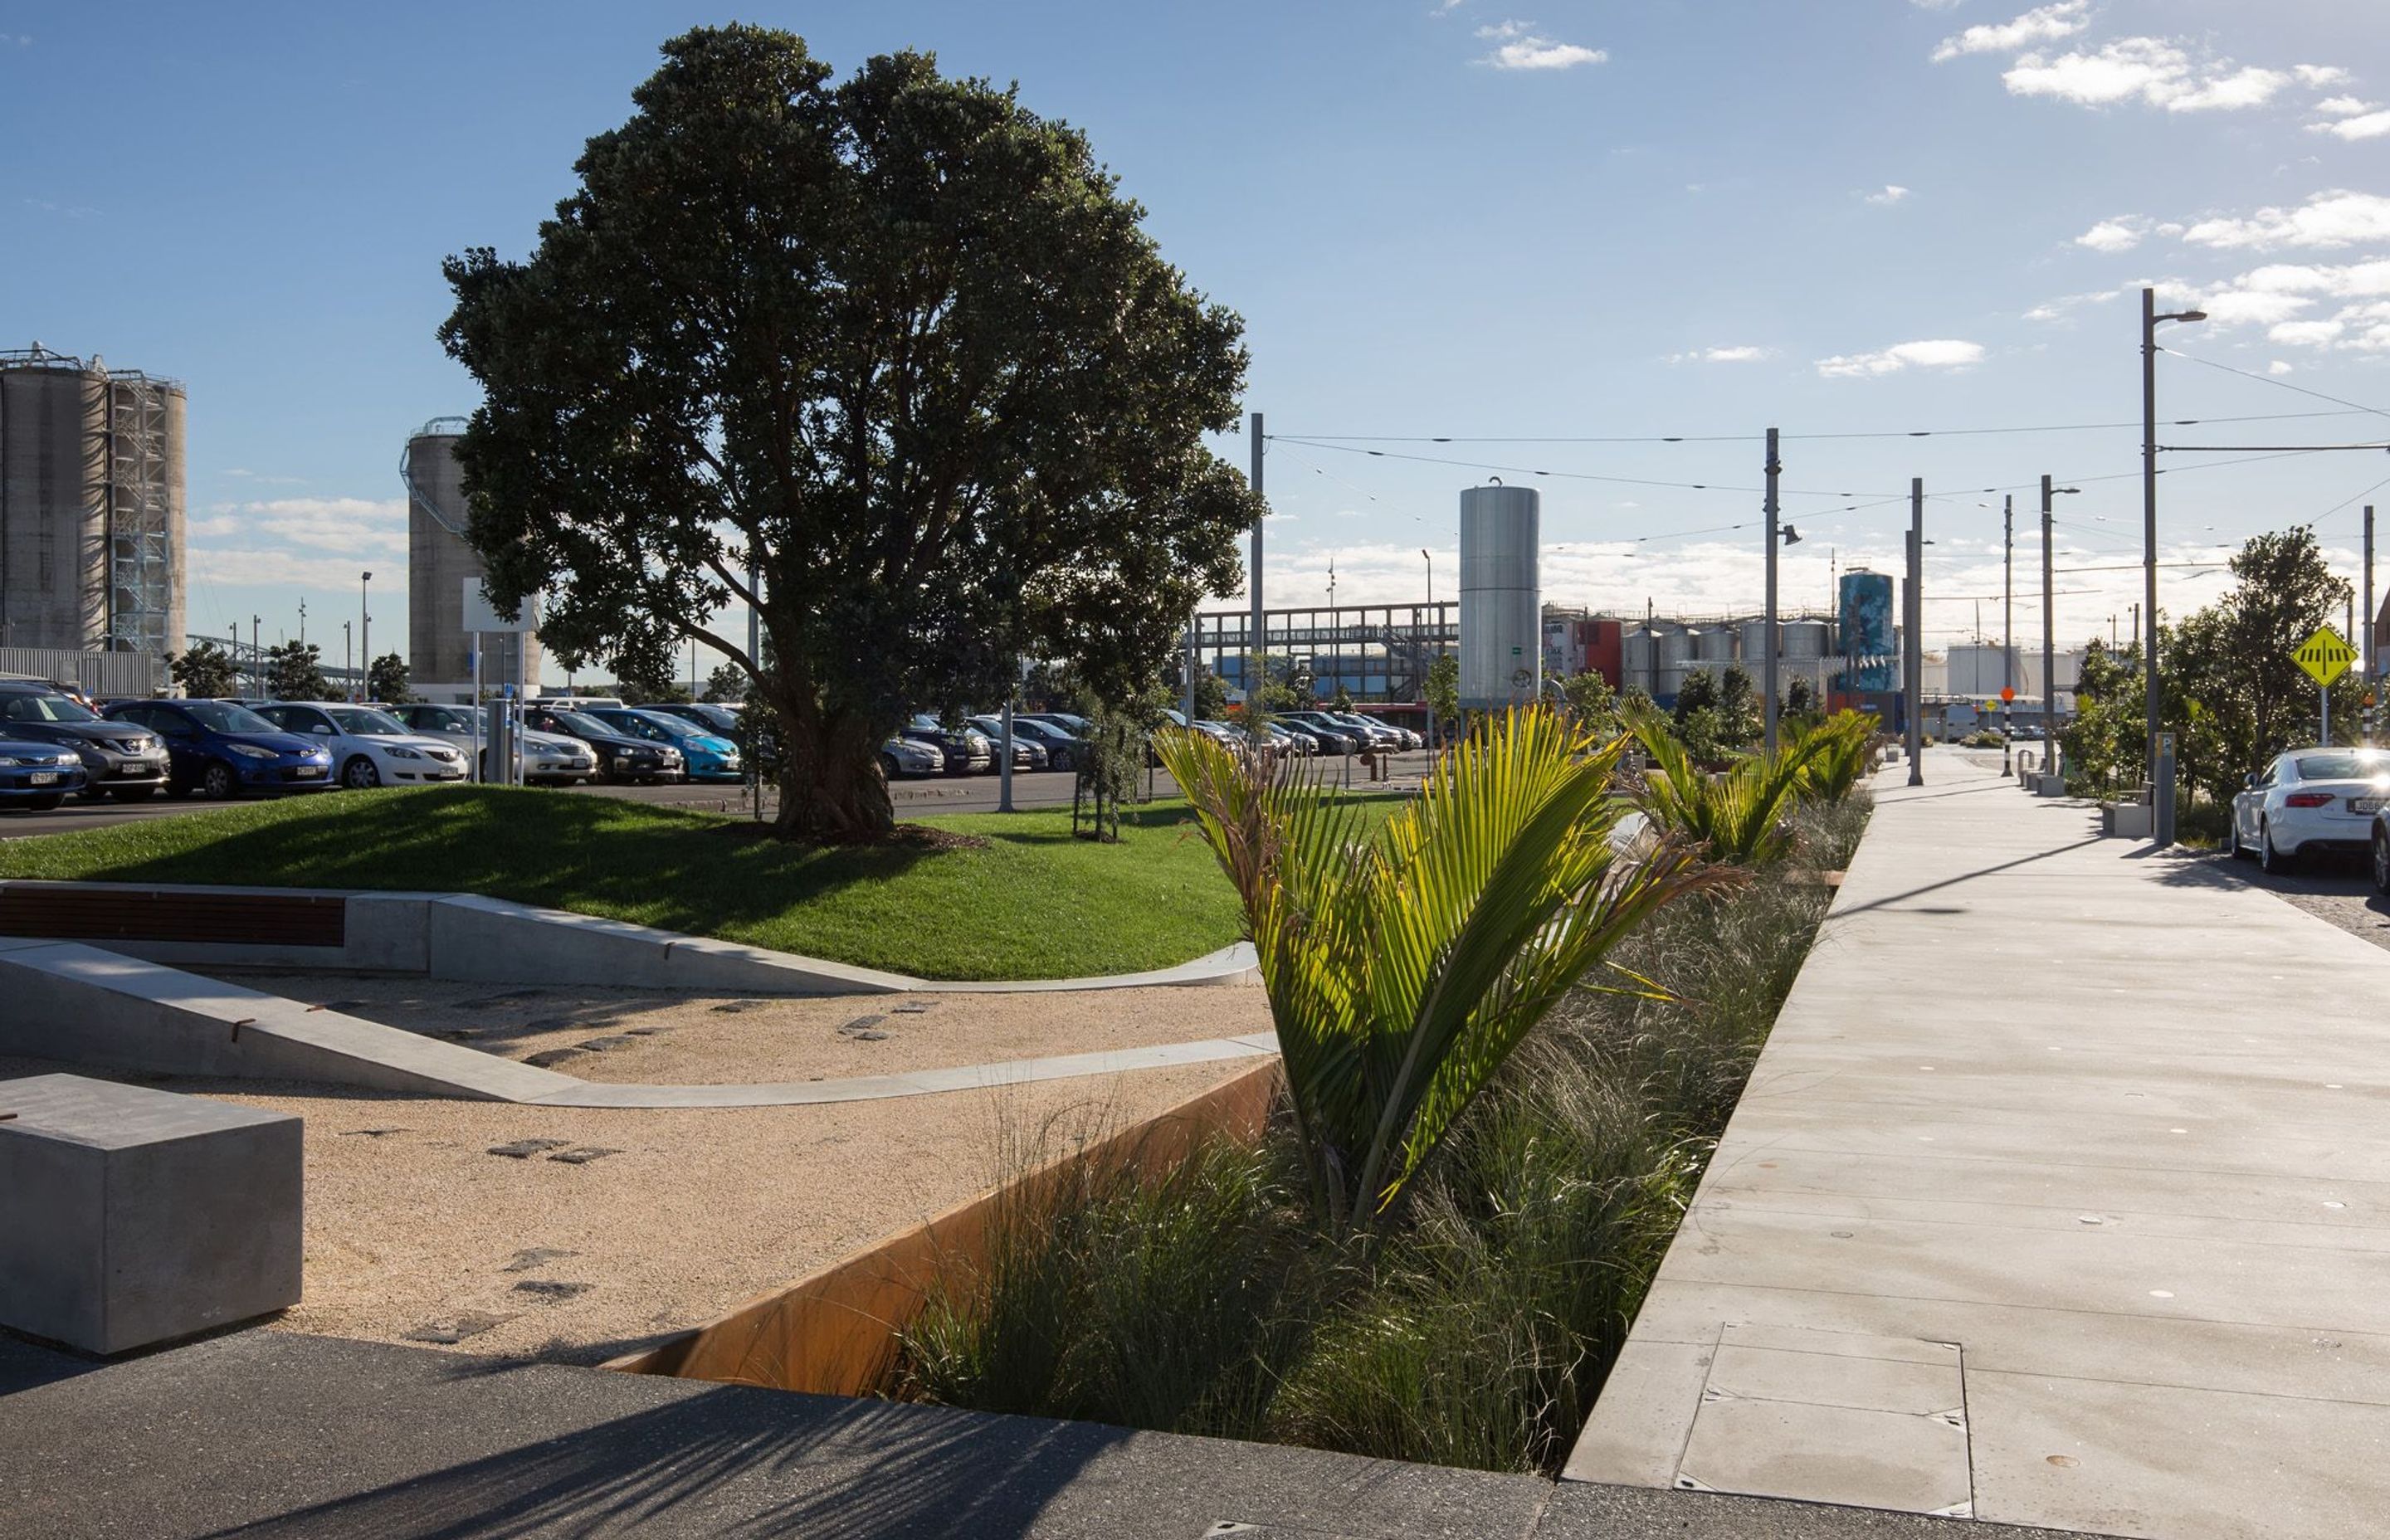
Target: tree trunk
{"x": 831, "y": 788}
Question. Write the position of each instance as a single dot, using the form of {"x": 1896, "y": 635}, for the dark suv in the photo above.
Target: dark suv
{"x": 119, "y": 761}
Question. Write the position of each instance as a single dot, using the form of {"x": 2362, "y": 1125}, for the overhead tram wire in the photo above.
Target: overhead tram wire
{"x": 1567, "y": 475}
{"x": 1341, "y": 439}
{"x": 2354, "y": 406}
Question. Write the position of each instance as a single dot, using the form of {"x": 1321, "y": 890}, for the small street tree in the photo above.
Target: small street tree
{"x": 1441, "y": 690}
{"x": 294, "y": 670}
{"x": 386, "y": 680}
{"x": 206, "y": 670}
{"x": 897, "y": 345}
{"x": 727, "y": 683}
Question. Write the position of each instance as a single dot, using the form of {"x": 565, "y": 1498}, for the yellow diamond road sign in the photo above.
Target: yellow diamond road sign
{"x": 2325, "y": 655}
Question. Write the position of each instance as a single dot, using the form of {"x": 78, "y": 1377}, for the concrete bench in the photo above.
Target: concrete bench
{"x": 131, "y": 1216}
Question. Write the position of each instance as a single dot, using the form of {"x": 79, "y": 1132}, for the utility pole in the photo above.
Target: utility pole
{"x": 302, "y": 622}
{"x": 257, "y": 655}
{"x": 1767, "y": 662}
{"x": 2007, "y": 594}
{"x": 1913, "y": 685}
{"x": 1257, "y": 663}
{"x": 1187, "y": 674}
{"x": 2365, "y": 643}
{"x": 2160, "y": 796}
{"x": 349, "y": 658}
{"x": 364, "y": 621}
{"x": 2048, "y": 648}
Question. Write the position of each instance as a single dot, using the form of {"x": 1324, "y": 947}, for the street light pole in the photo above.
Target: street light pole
{"x": 2161, "y": 797}
{"x": 364, "y": 621}
{"x": 1768, "y": 661}
{"x": 1436, "y": 626}
{"x": 1913, "y": 685}
{"x": 2048, "y": 637}
{"x": 1257, "y": 663}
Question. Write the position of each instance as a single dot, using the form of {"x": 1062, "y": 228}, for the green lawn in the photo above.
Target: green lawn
{"x": 1034, "y": 903}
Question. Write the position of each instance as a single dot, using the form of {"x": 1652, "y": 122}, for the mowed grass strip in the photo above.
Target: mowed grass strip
{"x": 1032, "y": 903}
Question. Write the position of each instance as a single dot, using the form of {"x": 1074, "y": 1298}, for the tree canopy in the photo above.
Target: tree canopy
{"x": 206, "y": 670}
{"x": 890, "y": 360}
{"x": 294, "y": 670}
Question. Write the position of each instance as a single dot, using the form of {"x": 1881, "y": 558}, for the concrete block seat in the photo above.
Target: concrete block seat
{"x": 130, "y": 1216}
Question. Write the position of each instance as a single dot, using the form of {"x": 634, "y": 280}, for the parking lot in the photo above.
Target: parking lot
{"x": 2336, "y": 890}
{"x": 914, "y": 798}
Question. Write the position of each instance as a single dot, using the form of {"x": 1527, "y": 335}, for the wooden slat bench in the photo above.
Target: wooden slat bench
{"x": 108, "y": 913}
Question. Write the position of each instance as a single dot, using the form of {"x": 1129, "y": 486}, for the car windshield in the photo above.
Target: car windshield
{"x": 676, "y": 727}
{"x": 366, "y": 722}
{"x": 46, "y": 708}
{"x": 222, "y": 716}
{"x": 2343, "y": 767}
{"x": 442, "y": 719}
{"x": 584, "y": 726}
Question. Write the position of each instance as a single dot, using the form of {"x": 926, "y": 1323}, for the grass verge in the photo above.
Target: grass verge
{"x": 1029, "y": 902}
{"x": 1203, "y": 1301}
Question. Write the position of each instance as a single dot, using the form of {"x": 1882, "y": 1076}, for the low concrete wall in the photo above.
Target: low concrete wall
{"x": 492, "y": 941}
{"x": 80, "y": 1005}
{"x": 835, "y": 1333}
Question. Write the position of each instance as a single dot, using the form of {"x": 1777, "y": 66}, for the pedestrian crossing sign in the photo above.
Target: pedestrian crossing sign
{"x": 2325, "y": 655}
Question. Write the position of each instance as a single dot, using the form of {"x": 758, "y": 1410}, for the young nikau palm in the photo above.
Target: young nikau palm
{"x": 1403, "y": 967}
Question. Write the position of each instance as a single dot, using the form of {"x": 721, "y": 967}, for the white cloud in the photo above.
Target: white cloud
{"x": 2306, "y": 334}
{"x": 1893, "y": 193}
{"x": 2327, "y": 218}
{"x": 259, "y": 567}
{"x": 2278, "y": 367}
{"x": 1744, "y": 354}
{"x": 2344, "y": 107}
{"x": 1937, "y": 4}
{"x": 356, "y": 526}
{"x": 2232, "y": 307}
{"x": 1520, "y": 46}
{"x": 1932, "y": 353}
{"x": 2372, "y": 125}
{"x": 2043, "y": 24}
{"x": 2320, "y": 74}
{"x": 2148, "y": 69}
{"x": 2111, "y": 236}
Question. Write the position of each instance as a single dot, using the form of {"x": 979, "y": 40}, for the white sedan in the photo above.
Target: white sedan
{"x": 369, "y": 748}
{"x": 544, "y": 756}
{"x": 2310, "y": 801}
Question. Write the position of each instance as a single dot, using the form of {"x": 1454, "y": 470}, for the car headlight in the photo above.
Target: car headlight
{"x": 64, "y": 758}
{"x": 400, "y": 750}
{"x": 250, "y": 750}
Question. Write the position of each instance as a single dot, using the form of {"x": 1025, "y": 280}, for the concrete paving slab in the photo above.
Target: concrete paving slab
{"x": 2141, "y": 1183}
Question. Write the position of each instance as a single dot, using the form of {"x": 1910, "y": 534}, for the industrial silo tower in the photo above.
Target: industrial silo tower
{"x": 1501, "y": 598}
{"x": 439, "y": 652}
{"x": 91, "y": 506}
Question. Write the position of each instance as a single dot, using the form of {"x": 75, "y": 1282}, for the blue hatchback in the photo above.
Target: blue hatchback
{"x": 223, "y": 748}
{"x": 37, "y": 775}
{"x": 709, "y": 758}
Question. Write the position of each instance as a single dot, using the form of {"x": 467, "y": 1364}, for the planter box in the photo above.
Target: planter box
{"x": 131, "y": 1216}
{"x": 835, "y": 1332}
{"x": 2127, "y": 820}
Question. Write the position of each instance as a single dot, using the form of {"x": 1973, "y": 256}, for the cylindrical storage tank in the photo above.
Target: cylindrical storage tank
{"x": 53, "y": 503}
{"x": 1637, "y": 652}
{"x": 440, "y": 653}
{"x": 1805, "y": 638}
{"x": 1755, "y": 643}
{"x": 1501, "y": 600}
{"x": 1714, "y": 645}
{"x": 1676, "y": 647}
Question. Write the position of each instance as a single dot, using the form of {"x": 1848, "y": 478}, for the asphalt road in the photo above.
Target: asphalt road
{"x": 914, "y": 798}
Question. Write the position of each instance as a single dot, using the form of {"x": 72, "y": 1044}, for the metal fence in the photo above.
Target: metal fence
{"x": 101, "y": 674}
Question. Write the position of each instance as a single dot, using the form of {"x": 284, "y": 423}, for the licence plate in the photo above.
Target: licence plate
{"x": 308, "y": 772}
{"x": 2365, "y": 804}
{"x": 43, "y": 777}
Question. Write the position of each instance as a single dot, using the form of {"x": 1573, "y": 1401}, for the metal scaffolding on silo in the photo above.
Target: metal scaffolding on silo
{"x": 138, "y": 515}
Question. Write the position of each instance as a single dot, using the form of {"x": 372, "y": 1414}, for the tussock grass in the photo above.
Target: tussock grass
{"x": 1479, "y": 1331}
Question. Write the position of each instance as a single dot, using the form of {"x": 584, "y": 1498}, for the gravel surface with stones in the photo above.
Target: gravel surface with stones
{"x": 653, "y": 1038}
{"x": 597, "y": 1231}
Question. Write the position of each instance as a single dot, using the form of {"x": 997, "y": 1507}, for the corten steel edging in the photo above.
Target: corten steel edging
{"x": 835, "y": 1331}
{"x": 63, "y": 913}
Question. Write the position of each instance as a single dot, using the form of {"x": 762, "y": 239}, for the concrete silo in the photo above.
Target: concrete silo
{"x": 91, "y": 506}
{"x": 439, "y": 661}
{"x": 1501, "y": 600}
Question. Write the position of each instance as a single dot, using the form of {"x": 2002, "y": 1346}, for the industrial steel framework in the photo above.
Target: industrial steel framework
{"x": 436, "y": 429}
{"x": 129, "y": 427}
{"x": 1396, "y": 642}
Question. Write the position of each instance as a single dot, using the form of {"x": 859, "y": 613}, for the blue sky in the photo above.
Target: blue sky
{"x": 1493, "y": 219}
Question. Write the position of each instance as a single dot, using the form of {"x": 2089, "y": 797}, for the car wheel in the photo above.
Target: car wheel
{"x": 44, "y": 804}
{"x": 2381, "y": 860}
{"x": 2232, "y": 840}
{"x": 219, "y": 782}
{"x": 888, "y": 767}
{"x": 2274, "y": 863}
{"x": 359, "y": 775}
{"x": 133, "y": 793}
{"x": 1061, "y": 760}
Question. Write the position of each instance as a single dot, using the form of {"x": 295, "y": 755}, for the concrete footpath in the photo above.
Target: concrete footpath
{"x": 2059, "y": 1196}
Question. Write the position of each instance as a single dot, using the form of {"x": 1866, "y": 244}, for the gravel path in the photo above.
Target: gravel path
{"x": 631, "y": 1035}
{"x": 416, "y": 1231}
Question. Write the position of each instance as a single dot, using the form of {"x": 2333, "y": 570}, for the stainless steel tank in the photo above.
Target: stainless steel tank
{"x": 1501, "y": 620}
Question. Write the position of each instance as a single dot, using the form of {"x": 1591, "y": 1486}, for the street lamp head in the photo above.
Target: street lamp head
{"x": 1791, "y": 535}
{"x": 365, "y": 576}
{"x": 2182, "y": 315}
{"x": 2071, "y": 492}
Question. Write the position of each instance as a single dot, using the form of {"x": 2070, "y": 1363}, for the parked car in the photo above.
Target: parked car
{"x": 1065, "y": 748}
{"x": 903, "y": 756}
{"x": 221, "y": 749}
{"x": 714, "y": 717}
{"x": 2310, "y": 800}
{"x": 37, "y": 774}
{"x": 1028, "y": 754}
{"x": 546, "y": 758}
{"x": 117, "y": 760}
{"x": 621, "y": 756}
{"x": 707, "y": 755}
{"x": 967, "y": 750}
{"x": 1333, "y": 737}
{"x": 369, "y": 748}
{"x": 1379, "y": 735}
{"x": 1069, "y": 722}
{"x": 1403, "y": 736}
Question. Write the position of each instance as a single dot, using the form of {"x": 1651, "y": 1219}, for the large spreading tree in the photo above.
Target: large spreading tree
{"x": 888, "y": 359}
